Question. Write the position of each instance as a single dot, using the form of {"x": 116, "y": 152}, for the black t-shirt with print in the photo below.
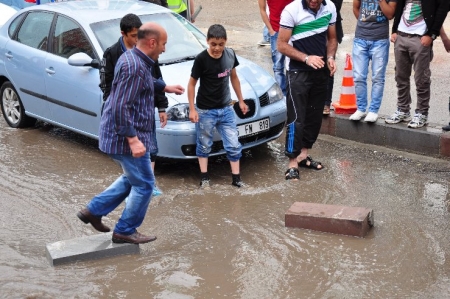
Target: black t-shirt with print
{"x": 214, "y": 74}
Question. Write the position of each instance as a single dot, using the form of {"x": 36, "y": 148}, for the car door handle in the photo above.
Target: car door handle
{"x": 8, "y": 55}
{"x": 50, "y": 71}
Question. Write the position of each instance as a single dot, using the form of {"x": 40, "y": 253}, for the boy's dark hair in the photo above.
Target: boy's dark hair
{"x": 129, "y": 22}
{"x": 216, "y": 31}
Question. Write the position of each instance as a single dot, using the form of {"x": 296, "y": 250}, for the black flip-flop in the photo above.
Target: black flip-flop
{"x": 312, "y": 164}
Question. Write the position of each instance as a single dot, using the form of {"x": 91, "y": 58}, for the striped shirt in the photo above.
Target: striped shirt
{"x": 309, "y": 30}
{"x": 130, "y": 109}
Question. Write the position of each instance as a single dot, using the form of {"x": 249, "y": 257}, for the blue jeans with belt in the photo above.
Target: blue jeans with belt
{"x": 136, "y": 183}
{"x": 278, "y": 63}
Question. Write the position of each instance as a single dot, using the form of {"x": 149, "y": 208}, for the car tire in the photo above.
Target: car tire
{"x": 12, "y": 108}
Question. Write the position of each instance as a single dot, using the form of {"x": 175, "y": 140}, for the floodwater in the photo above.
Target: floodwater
{"x": 226, "y": 242}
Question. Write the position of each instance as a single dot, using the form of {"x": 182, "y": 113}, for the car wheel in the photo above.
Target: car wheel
{"x": 12, "y": 108}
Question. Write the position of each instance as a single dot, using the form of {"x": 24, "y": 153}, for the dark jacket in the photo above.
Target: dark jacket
{"x": 339, "y": 30}
{"x": 434, "y": 13}
{"x": 110, "y": 57}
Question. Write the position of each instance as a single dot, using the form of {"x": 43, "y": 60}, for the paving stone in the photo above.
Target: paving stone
{"x": 87, "y": 248}
{"x": 353, "y": 221}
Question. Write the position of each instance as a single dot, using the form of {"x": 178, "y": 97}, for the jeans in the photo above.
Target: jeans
{"x": 363, "y": 52}
{"x": 278, "y": 63}
{"x": 136, "y": 183}
{"x": 266, "y": 35}
{"x": 224, "y": 120}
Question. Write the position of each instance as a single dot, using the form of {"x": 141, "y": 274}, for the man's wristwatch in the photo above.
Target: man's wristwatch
{"x": 433, "y": 36}
{"x": 306, "y": 60}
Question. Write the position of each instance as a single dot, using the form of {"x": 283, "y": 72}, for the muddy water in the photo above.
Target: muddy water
{"x": 226, "y": 243}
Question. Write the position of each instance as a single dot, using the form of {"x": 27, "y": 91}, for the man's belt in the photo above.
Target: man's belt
{"x": 408, "y": 34}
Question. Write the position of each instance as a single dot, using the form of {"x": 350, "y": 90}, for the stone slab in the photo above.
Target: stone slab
{"x": 87, "y": 248}
{"x": 352, "y": 221}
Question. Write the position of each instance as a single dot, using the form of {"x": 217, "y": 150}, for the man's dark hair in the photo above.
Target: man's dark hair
{"x": 216, "y": 31}
{"x": 129, "y": 22}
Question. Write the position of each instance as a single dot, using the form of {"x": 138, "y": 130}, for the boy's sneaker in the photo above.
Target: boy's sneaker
{"x": 371, "y": 117}
{"x": 156, "y": 191}
{"x": 204, "y": 184}
{"x": 397, "y": 117}
{"x": 239, "y": 184}
{"x": 264, "y": 43}
{"x": 418, "y": 121}
{"x": 357, "y": 115}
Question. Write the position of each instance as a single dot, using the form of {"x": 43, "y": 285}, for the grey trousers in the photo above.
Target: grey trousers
{"x": 409, "y": 53}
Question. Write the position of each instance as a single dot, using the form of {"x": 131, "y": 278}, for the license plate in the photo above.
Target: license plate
{"x": 253, "y": 127}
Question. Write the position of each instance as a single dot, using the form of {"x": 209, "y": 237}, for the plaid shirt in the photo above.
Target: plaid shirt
{"x": 130, "y": 109}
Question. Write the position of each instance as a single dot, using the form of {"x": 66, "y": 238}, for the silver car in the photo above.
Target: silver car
{"x": 49, "y": 60}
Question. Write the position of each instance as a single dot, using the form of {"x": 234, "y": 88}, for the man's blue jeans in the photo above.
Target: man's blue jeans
{"x": 278, "y": 63}
{"x": 136, "y": 183}
{"x": 378, "y": 52}
{"x": 224, "y": 121}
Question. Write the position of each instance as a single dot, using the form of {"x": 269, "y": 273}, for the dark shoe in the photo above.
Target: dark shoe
{"x": 310, "y": 163}
{"x": 96, "y": 222}
{"x": 239, "y": 184}
{"x": 136, "y": 238}
{"x": 292, "y": 174}
{"x": 446, "y": 128}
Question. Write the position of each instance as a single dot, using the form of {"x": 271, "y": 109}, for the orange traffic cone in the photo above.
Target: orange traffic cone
{"x": 347, "y": 102}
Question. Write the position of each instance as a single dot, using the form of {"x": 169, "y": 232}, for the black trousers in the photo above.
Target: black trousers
{"x": 306, "y": 95}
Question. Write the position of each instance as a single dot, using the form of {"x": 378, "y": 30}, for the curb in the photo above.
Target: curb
{"x": 427, "y": 140}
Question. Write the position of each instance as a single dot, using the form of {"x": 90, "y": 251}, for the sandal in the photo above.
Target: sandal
{"x": 310, "y": 163}
{"x": 292, "y": 174}
{"x": 326, "y": 110}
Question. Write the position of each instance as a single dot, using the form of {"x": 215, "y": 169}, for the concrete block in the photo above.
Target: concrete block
{"x": 87, "y": 248}
{"x": 360, "y": 131}
{"x": 335, "y": 219}
{"x": 444, "y": 147}
{"x": 421, "y": 141}
{"x": 328, "y": 125}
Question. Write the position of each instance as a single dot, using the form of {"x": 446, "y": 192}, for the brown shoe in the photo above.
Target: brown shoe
{"x": 96, "y": 222}
{"x": 136, "y": 238}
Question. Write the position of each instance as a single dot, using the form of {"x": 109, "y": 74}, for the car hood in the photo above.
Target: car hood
{"x": 254, "y": 79}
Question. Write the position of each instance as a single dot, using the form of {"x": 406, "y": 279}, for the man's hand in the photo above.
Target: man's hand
{"x": 316, "y": 62}
{"x": 426, "y": 40}
{"x": 193, "y": 115}
{"x": 393, "y": 37}
{"x": 244, "y": 107}
{"x": 163, "y": 119}
{"x": 331, "y": 66}
{"x": 176, "y": 89}
{"x": 137, "y": 147}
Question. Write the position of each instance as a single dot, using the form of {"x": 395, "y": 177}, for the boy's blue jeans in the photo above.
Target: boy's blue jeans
{"x": 278, "y": 63}
{"x": 137, "y": 183}
{"x": 224, "y": 121}
{"x": 363, "y": 52}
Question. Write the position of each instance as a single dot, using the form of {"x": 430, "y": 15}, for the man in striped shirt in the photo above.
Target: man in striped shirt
{"x": 126, "y": 134}
{"x": 307, "y": 37}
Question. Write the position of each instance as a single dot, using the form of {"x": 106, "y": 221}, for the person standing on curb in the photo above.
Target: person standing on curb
{"x": 339, "y": 36}
{"x": 308, "y": 39}
{"x": 371, "y": 44}
{"x": 127, "y": 129}
{"x": 272, "y": 21}
{"x": 416, "y": 25}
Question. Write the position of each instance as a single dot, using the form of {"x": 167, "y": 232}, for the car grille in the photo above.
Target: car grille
{"x": 264, "y": 100}
{"x": 274, "y": 131}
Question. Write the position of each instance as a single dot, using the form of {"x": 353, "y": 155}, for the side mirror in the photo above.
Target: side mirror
{"x": 82, "y": 59}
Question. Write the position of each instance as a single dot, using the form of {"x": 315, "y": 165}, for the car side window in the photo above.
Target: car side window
{"x": 35, "y": 29}
{"x": 12, "y": 28}
{"x": 69, "y": 39}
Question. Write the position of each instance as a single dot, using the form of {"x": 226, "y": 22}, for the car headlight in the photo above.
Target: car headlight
{"x": 179, "y": 112}
{"x": 275, "y": 93}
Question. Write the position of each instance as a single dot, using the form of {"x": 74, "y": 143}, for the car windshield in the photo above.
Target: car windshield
{"x": 184, "y": 41}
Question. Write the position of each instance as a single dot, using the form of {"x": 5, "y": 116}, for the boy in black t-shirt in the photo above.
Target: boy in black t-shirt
{"x": 215, "y": 67}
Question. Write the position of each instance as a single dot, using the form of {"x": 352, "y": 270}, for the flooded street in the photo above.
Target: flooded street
{"x": 226, "y": 242}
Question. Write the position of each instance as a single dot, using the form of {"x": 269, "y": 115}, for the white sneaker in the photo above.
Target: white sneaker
{"x": 371, "y": 117}
{"x": 357, "y": 115}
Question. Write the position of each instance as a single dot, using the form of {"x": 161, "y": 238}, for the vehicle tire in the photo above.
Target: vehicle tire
{"x": 12, "y": 108}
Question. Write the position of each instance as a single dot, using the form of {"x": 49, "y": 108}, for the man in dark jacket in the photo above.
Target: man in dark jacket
{"x": 416, "y": 25}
